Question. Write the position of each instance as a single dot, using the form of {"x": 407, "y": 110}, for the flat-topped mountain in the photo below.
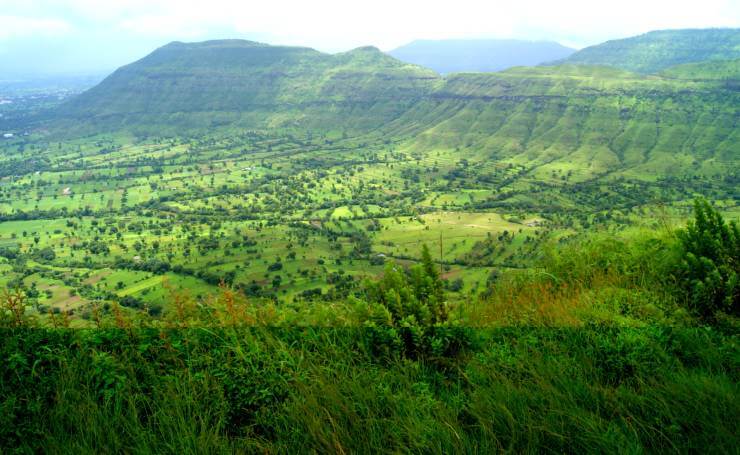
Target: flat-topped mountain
{"x": 216, "y": 82}
{"x": 479, "y": 55}
{"x": 593, "y": 119}
{"x": 658, "y": 50}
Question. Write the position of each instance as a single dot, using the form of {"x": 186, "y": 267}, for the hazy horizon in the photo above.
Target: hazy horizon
{"x": 64, "y": 37}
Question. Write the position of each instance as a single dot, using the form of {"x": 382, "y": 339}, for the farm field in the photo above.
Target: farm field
{"x": 287, "y": 218}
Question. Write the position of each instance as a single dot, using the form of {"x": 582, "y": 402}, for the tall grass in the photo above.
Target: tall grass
{"x": 526, "y": 389}
{"x": 601, "y": 279}
{"x": 590, "y": 353}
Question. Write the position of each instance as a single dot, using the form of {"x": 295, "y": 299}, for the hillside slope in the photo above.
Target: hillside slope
{"x": 484, "y": 55}
{"x": 658, "y": 50}
{"x": 583, "y": 120}
{"x": 587, "y": 121}
{"x": 726, "y": 70}
{"x": 253, "y": 85}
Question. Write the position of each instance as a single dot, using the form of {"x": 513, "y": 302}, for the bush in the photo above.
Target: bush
{"x": 709, "y": 271}
{"x": 46, "y": 254}
{"x": 131, "y": 302}
{"x": 406, "y": 314}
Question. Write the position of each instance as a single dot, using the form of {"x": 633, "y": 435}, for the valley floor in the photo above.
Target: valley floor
{"x": 288, "y": 218}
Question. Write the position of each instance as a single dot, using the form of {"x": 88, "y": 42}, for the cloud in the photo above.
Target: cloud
{"x": 341, "y": 24}
{"x": 18, "y": 27}
{"x": 163, "y": 26}
{"x": 118, "y": 31}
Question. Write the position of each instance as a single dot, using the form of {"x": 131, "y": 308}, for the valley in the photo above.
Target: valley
{"x": 233, "y": 247}
{"x": 493, "y": 166}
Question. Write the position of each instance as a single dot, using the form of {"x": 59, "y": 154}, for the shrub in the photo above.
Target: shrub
{"x": 131, "y": 302}
{"x": 13, "y": 306}
{"x": 46, "y": 254}
{"x": 406, "y": 313}
{"x": 709, "y": 271}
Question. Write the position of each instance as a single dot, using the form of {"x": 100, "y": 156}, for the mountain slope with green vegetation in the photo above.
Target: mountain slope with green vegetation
{"x": 253, "y": 85}
{"x": 589, "y": 121}
{"x": 726, "y": 70}
{"x": 584, "y": 120}
{"x": 658, "y": 50}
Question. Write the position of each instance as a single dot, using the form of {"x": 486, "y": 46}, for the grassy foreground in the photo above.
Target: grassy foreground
{"x": 612, "y": 346}
{"x": 528, "y": 389}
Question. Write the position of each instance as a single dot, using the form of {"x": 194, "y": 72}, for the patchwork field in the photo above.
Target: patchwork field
{"x": 285, "y": 217}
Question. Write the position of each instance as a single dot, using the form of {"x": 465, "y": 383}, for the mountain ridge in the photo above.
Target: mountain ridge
{"x": 478, "y": 55}
{"x": 657, "y": 50}
{"x": 599, "y": 119}
{"x": 248, "y": 81}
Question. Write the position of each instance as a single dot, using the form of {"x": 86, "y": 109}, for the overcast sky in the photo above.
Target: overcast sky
{"x": 80, "y": 36}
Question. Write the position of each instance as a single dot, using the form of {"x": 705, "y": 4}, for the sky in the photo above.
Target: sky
{"x": 85, "y": 36}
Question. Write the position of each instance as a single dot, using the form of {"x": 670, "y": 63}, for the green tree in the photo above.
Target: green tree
{"x": 406, "y": 312}
{"x": 710, "y": 268}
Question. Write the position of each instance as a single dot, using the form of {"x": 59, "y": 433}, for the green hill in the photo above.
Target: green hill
{"x": 658, "y": 50}
{"x": 254, "y": 85}
{"x": 586, "y": 120}
{"x": 728, "y": 70}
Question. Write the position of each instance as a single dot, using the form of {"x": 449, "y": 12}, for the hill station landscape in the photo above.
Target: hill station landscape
{"x": 459, "y": 246}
